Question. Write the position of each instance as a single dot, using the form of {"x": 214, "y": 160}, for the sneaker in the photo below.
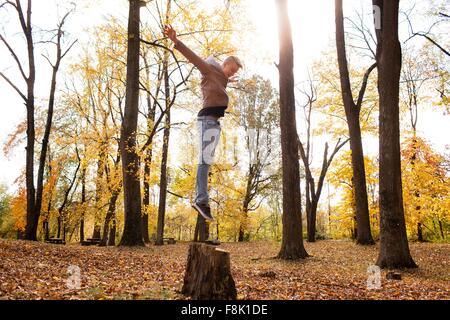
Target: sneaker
{"x": 204, "y": 210}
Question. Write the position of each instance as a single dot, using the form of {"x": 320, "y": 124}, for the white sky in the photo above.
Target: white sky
{"x": 313, "y": 30}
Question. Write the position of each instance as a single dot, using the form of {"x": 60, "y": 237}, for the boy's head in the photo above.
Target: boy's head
{"x": 231, "y": 65}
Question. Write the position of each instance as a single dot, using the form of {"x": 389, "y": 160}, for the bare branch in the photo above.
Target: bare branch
{"x": 14, "y": 87}
{"x": 425, "y": 35}
{"x": 362, "y": 91}
{"x": 15, "y": 57}
{"x": 68, "y": 49}
{"x": 171, "y": 52}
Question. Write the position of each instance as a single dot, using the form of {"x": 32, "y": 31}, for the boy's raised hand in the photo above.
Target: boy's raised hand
{"x": 233, "y": 79}
{"x": 170, "y": 33}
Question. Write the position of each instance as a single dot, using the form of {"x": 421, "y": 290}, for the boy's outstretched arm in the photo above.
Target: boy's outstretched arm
{"x": 188, "y": 53}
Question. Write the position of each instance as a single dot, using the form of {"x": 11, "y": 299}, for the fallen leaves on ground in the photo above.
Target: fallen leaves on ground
{"x": 334, "y": 270}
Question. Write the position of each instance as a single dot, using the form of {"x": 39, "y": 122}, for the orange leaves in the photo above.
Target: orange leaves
{"x": 19, "y": 209}
{"x": 14, "y": 139}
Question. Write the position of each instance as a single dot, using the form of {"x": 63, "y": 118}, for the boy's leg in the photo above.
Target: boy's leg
{"x": 209, "y": 134}
{"x": 201, "y": 185}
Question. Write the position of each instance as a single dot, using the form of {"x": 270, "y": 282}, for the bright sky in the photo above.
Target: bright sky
{"x": 313, "y": 29}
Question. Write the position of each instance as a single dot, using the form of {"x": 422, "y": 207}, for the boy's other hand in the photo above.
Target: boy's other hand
{"x": 170, "y": 33}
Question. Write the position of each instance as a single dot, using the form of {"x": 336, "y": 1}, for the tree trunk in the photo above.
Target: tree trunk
{"x": 165, "y": 153}
{"x": 34, "y": 196}
{"x": 132, "y": 233}
{"x": 61, "y": 214}
{"x": 99, "y": 189}
{"x": 31, "y": 226}
{"x": 241, "y": 233}
{"x": 109, "y": 217}
{"x": 208, "y": 274}
{"x": 151, "y": 113}
{"x": 82, "y": 229}
{"x": 83, "y": 201}
{"x": 394, "y": 250}
{"x": 112, "y": 234}
{"x": 252, "y": 176}
{"x": 201, "y": 232}
{"x": 46, "y": 231}
{"x": 311, "y": 202}
{"x": 416, "y": 192}
{"x": 292, "y": 240}
{"x": 441, "y": 229}
{"x": 97, "y": 233}
{"x": 311, "y": 224}
{"x": 419, "y": 232}
{"x": 58, "y": 233}
{"x": 48, "y": 125}
{"x": 243, "y": 236}
{"x": 364, "y": 236}
{"x": 146, "y": 200}
{"x": 315, "y": 195}
{"x": 352, "y": 112}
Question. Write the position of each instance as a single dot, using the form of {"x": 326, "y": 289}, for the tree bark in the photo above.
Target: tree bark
{"x": 58, "y": 233}
{"x": 312, "y": 192}
{"x": 201, "y": 232}
{"x": 83, "y": 202}
{"x": 82, "y": 229}
{"x": 51, "y": 103}
{"x": 109, "y": 217}
{"x": 292, "y": 240}
{"x": 61, "y": 218}
{"x": 243, "y": 236}
{"x": 441, "y": 229}
{"x": 352, "y": 113}
{"x": 151, "y": 113}
{"x": 419, "y": 232}
{"x": 99, "y": 189}
{"x": 46, "y": 230}
{"x": 165, "y": 154}
{"x": 112, "y": 234}
{"x": 31, "y": 226}
{"x": 394, "y": 250}
{"x": 132, "y": 233}
{"x": 208, "y": 274}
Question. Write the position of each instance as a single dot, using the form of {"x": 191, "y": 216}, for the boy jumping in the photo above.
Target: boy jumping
{"x": 215, "y": 78}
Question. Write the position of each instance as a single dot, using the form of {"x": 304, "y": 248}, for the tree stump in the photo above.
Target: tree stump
{"x": 208, "y": 274}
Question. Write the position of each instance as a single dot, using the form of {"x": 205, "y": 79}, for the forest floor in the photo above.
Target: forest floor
{"x": 335, "y": 270}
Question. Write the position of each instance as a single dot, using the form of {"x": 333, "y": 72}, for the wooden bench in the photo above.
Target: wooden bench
{"x": 55, "y": 241}
{"x": 169, "y": 240}
{"x": 91, "y": 241}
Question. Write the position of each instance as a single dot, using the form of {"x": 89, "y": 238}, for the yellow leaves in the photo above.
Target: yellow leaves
{"x": 340, "y": 177}
{"x": 426, "y": 186}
